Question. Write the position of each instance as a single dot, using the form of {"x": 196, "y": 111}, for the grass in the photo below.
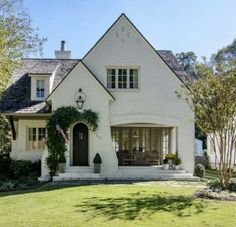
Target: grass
{"x": 141, "y": 204}
{"x": 211, "y": 174}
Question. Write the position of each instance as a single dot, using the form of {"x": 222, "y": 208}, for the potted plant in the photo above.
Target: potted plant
{"x": 165, "y": 164}
{"x": 170, "y": 157}
{"x": 97, "y": 163}
{"x": 177, "y": 162}
{"x": 62, "y": 163}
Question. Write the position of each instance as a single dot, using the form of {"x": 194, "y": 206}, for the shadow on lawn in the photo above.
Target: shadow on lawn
{"x": 41, "y": 188}
{"x": 139, "y": 206}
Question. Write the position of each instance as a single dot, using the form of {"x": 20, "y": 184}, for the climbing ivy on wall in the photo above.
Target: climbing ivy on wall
{"x": 65, "y": 117}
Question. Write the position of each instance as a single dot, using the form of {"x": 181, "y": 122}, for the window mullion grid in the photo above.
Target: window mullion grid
{"x": 37, "y": 136}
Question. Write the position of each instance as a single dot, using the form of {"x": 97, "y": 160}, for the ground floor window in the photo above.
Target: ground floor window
{"x": 140, "y": 145}
{"x": 36, "y": 138}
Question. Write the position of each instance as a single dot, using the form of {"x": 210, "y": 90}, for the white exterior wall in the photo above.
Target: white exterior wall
{"x": 212, "y": 155}
{"x": 98, "y": 100}
{"x": 19, "y": 149}
{"x": 155, "y": 101}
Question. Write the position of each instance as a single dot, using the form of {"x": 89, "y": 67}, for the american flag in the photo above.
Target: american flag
{"x": 59, "y": 129}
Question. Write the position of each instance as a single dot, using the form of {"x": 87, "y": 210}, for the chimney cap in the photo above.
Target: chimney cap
{"x": 63, "y": 45}
{"x": 62, "y": 53}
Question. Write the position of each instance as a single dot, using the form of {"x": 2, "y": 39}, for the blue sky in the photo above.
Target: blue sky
{"x": 202, "y": 26}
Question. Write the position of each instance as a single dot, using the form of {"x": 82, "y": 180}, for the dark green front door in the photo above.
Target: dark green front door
{"x": 80, "y": 145}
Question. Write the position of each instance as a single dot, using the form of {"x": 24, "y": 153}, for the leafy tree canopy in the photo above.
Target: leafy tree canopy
{"x": 18, "y": 39}
{"x": 225, "y": 58}
{"x": 188, "y": 60}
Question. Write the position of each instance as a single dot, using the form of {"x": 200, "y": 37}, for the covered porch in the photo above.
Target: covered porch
{"x": 143, "y": 144}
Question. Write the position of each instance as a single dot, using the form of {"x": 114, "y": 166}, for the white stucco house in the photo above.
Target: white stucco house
{"x": 130, "y": 84}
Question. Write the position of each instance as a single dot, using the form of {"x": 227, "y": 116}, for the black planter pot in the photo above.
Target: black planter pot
{"x": 97, "y": 167}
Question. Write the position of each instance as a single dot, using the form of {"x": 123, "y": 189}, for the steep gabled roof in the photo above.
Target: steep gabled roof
{"x": 16, "y": 98}
{"x": 90, "y": 72}
{"x": 166, "y": 55}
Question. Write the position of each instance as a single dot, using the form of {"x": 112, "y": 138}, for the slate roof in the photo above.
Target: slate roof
{"x": 170, "y": 59}
{"x": 16, "y": 98}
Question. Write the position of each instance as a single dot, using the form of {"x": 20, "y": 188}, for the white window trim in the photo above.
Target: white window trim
{"x": 37, "y": 133}
{"x": 128, "y": 67}
{"x": 44, "y": 82}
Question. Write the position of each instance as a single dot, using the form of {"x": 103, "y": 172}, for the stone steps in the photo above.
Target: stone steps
{"x": 124, "y": 177}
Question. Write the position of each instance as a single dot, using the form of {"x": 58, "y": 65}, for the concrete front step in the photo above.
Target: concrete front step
{"x": 79, "y": 169}
{"x": 124, "y": 177}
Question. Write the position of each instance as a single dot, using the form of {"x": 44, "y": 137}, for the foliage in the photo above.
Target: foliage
{"x": 170, "y": 156}
{"x": 177, "y": 160}
{"x": 224, "y": 59}
{"x": 35, "y": 168}
{"x": 165, "y": 161}
{"x": 97, "y": 159}
{"x": 6, "y": 186}
{"x": 5, "y": 145}
{"x": 188, "y": 60}
{"x": 20, "y": 168}
{"x": 21, "y": 182}
{"x": 212, "y": 98}
{"x": 216, "y": 186}
{"x": 4, "y": 164}
{"x": 62, "y": 159}
{"x": 200, "y": 170}
{"x": 65, "y": 117}
{"x": 18, "y": 39}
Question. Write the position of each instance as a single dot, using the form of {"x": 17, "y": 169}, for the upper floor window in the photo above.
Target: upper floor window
{"x": 35, "y": 138}
{"x": 111, "y": 78}
{"x": 133, "y": 78}
{"x": 40, "y": 88}
{"x": 122, "y": 78}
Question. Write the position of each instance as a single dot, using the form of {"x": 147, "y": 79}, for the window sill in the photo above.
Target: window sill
{"x": 35, "y": 150}
{"x": 124, "y": 89}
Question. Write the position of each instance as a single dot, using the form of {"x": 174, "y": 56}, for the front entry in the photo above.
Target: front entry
{"x": 80, "y": 145}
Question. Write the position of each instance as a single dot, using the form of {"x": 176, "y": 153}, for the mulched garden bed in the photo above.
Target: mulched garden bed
{"x": 217, "y": 195}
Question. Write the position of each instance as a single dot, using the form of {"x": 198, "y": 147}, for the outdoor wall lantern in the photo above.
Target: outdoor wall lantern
{"x": 80, "y": 98}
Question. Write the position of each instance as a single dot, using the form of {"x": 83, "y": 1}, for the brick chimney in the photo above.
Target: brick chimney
{"x": 63, "y": 53}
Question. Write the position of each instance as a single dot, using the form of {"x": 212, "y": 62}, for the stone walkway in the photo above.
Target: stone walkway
{"x": 173, "y": 184}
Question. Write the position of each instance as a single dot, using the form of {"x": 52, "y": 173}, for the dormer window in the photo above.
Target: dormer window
{"x": 40, "y": 88}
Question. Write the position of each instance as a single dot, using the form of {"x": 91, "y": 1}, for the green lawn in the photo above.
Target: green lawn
{"x": 211, "y": 174}
{"x": 141, "y": 204}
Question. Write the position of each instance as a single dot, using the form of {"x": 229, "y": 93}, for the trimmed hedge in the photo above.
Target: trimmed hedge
{"x": 200, "y": 170}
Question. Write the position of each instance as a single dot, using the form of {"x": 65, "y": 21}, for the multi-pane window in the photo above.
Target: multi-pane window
{"x": 40, "y": 88}
{"x": 133, "y": 78}
{"x": 35, "y": 138}
{"x": 111, "y": 78}
{"x": 122, "y": 78}
{"x": 165, "y": 141}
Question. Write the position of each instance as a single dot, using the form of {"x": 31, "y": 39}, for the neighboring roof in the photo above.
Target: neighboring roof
{"x": 170, "y": 59}
{"x": 16, "y": 98}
